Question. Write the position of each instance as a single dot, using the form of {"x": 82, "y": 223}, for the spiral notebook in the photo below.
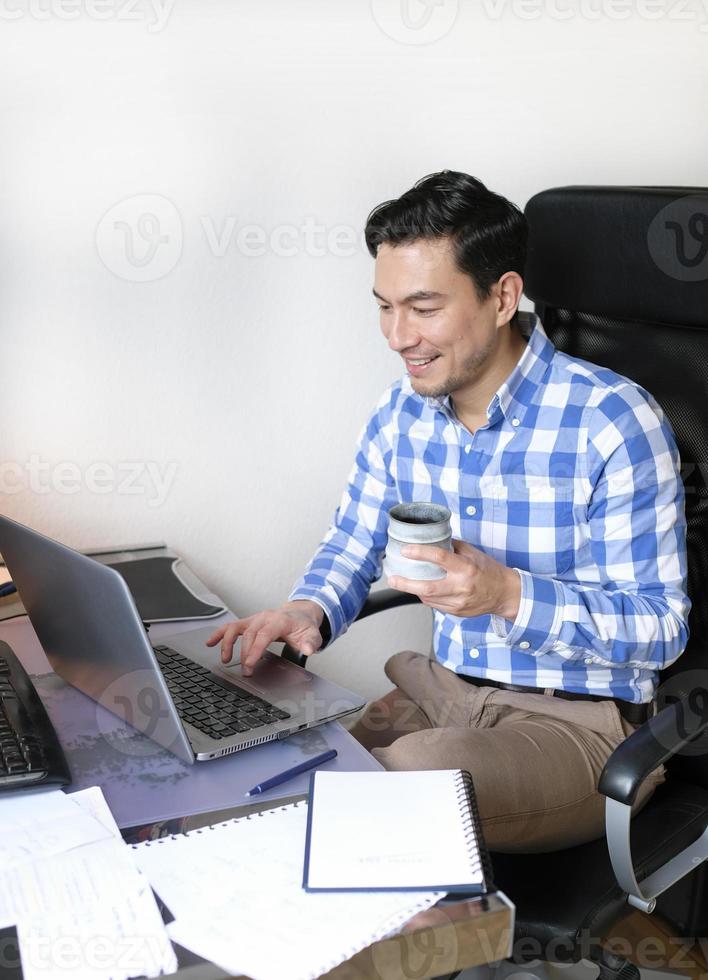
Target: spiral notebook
{"x": 395, "y": 831}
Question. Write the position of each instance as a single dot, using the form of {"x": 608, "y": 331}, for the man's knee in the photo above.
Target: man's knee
{"x": 387, "y": 711}
{"x": 419, "y": 750}
{"x": 387, "y": 719}
{"x": 395, "y": 666}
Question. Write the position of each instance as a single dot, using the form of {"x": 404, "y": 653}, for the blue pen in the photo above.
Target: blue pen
{"x": 7, "y": 588}
{"x": 282, "y": 777}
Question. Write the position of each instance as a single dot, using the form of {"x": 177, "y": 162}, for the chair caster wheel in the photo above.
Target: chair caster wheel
{"x": 613, "y": 967}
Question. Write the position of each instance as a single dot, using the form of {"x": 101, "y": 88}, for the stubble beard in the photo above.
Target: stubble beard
{"x": 468, "y": 373}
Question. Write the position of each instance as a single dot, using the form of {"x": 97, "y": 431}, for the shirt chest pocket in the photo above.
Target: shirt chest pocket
{"x": 532, "y": 522}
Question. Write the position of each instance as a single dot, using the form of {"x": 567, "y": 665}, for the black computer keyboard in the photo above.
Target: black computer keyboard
{"x": 30, "y": 753}
{"x": 215, "y": 707}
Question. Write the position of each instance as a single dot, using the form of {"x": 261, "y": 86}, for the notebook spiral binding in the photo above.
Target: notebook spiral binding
{"x": 472, "y": 827}
{"x": 213, "y": 826}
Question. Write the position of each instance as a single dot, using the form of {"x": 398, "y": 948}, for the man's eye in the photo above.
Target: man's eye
{"x": 384, "y": 309}
{"x": 417, "y": 309}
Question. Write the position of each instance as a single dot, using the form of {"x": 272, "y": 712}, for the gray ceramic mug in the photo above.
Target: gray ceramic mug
{"x": 417, "y": 523}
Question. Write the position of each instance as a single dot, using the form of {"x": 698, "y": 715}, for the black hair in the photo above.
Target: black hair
{"x": 488, "y": 232}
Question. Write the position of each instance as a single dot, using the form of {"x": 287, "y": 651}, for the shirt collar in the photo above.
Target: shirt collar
{"x": 514, "y": 396}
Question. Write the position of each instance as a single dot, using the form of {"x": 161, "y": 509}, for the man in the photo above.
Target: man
{"x": 566, "y": 590}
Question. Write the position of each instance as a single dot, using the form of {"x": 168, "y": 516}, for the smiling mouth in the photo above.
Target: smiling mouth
{"x": 418, "y": 365}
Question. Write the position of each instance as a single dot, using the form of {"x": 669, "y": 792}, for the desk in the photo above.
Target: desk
{"x": 144, "y": 785}
{"x": 449, "y": 936}
{"x": 434, "y": 943}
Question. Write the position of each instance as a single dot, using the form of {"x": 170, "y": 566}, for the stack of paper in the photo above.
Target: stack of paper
{"x": 236, "y": 892}
{"x": 69, "y": 886}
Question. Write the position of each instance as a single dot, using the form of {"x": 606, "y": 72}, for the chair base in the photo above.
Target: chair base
{"x": 582, "y": 970}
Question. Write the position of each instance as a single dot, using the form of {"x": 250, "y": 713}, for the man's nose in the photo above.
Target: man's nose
{"x": 401, "y": 334}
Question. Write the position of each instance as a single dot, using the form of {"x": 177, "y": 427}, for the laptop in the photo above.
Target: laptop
{"x": 177, "y": 691}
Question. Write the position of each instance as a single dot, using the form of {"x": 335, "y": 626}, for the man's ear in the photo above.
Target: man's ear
{"x": 509, "y": 290}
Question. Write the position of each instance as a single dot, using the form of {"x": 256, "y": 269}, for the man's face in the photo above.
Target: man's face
{"x": 431, "y": 313}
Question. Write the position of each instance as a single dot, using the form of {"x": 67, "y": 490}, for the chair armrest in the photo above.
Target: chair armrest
{"x": 644, "y": 750}
{"x": 652, "y": 744}
{"x": 385, "y": 599}
{"x": 375, "y": 602}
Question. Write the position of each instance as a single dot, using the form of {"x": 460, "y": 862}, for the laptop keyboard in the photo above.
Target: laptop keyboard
{"x": 215, "y": 707}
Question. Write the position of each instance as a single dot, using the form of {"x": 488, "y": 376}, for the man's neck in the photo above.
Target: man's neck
{"x": 471, "y": 406}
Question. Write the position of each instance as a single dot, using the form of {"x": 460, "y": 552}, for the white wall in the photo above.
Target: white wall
{"x": 244, "y": 379}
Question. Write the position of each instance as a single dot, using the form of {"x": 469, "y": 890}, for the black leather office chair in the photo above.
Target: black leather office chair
{"x": 619, "y": 276}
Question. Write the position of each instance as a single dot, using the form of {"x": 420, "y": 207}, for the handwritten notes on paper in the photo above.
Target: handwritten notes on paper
{"x": 81, "y": 908}
{"x": 235, "y": 890}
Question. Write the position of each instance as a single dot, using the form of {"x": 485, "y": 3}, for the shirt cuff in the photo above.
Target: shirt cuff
{"x": 538, "y": 621}
{"x": 333, "y": 617}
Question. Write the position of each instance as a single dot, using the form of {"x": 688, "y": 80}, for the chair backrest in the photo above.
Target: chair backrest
{"x": 619, "y": 276}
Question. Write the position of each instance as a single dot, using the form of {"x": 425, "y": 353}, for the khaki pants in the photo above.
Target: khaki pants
{"x": 535, "y": 760}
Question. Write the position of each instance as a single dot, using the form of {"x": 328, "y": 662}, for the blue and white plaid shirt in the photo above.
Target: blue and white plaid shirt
{"x": 574, "y": 481}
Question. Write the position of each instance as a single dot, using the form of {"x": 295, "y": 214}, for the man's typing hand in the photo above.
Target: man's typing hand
{"x": 475, "y": 584}
{"x": 296, "y": 623}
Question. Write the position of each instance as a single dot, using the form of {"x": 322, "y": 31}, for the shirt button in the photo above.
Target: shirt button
{"x": 589, "y": 660}
{"x": 468, "y": 448}
{"x": 474, "y": 653}
{"x": 515, "y": 422}
{"x": 524, "y": 644}
{"x": 471, "y": 510}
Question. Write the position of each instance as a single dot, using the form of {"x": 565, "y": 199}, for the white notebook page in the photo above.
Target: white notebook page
{"x": 235, "y": 890}
{"x": 391, "y": 830}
